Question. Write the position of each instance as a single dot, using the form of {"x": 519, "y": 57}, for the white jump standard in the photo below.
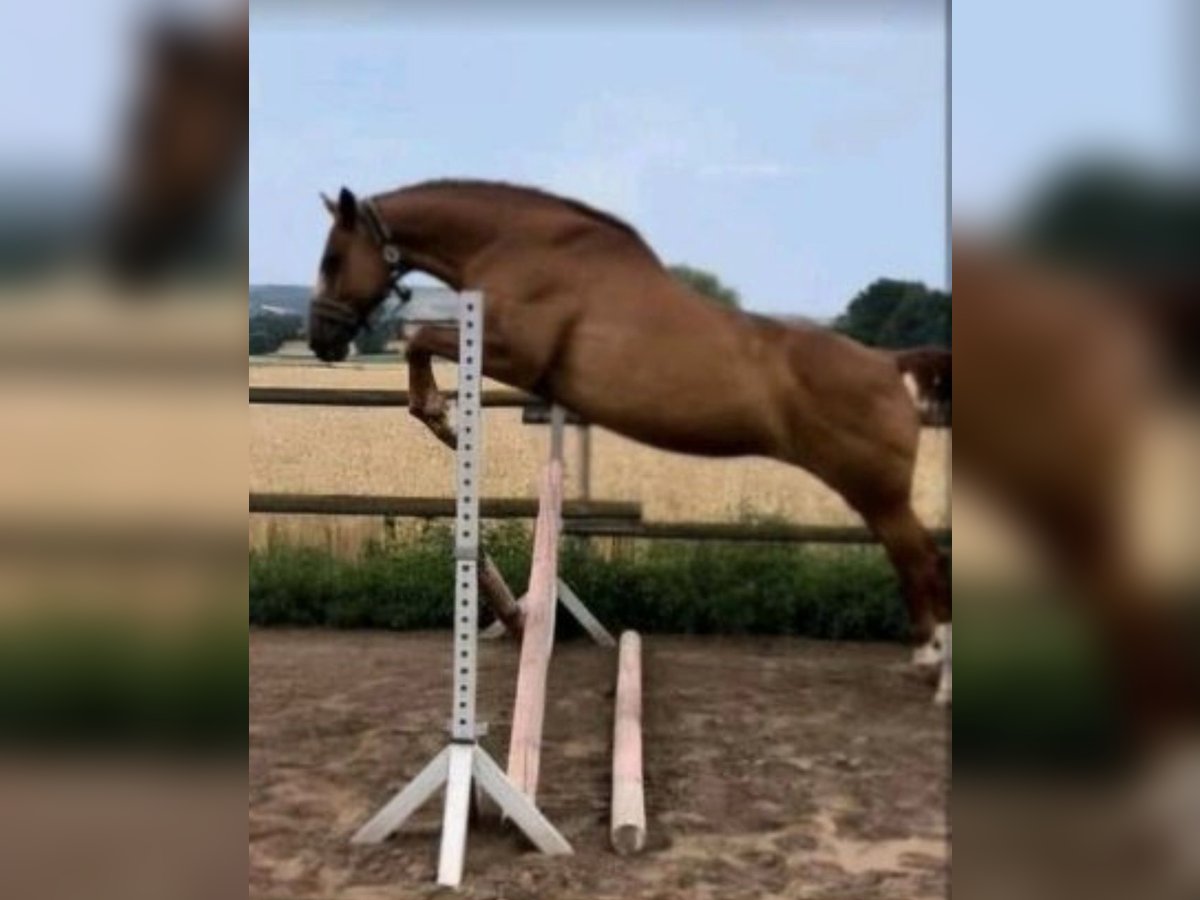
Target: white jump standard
{"x": 463, "y": 762}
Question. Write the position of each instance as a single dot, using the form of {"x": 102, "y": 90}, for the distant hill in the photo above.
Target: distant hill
{"x": 292, "y": 297}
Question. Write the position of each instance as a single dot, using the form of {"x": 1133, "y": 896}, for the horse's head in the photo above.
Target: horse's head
{"x": 355, "y": 277}
{"x": 185, "y": 144}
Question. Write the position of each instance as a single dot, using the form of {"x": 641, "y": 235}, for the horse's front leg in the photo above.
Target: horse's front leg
{"x": 425, "y": 401}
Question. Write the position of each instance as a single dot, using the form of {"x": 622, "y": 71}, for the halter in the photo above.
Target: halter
{"x": 393, "y": 258}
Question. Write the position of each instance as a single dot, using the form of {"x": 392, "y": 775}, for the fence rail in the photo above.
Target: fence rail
{"x": 778, "y": 533}
{"x": 436, "y": 507}
{"x": 296, "y": 396}
{"x": 537, "y": 410}
{"x": 582, "y": 517}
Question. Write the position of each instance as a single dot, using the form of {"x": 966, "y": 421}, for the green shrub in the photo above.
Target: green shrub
{"x": 270, "y": 330}
{"x": 87, "y": 682}
{"x": 841, "y": 593}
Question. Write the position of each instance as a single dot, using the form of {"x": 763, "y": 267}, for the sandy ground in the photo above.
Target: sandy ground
{"x": 775, "y": 768}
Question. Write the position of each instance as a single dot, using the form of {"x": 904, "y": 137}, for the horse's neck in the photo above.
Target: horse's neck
{"x": 440, "y": 234}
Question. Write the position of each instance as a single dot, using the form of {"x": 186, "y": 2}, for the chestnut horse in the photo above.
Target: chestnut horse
{"x": 581, "y": 312}
{"x": 1062, "y": 366}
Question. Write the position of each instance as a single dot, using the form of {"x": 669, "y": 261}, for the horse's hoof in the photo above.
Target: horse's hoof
{"x": 932, "y": 654}
{"x": 927, "y": 656}
{"x": 942, "y": 697}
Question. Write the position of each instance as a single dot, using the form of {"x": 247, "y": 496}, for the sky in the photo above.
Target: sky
{"x": 1038, "y": 84}
{"x": 798, "y": 158}
{"x": 799, "y": 155}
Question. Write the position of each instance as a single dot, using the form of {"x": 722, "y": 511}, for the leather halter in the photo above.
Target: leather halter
{"x": 393, "y": 257}
{"x": 333, "y": 309}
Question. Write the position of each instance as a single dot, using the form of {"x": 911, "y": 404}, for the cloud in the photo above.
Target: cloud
{"x": 612, "y": 144}
{"x": 750, "y": 170}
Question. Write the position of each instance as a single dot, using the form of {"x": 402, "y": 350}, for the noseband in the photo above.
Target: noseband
{"x": 393, "y": 258}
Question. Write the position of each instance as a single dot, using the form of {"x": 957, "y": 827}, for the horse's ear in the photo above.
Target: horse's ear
{"x": 347, "y": 213}
{"x": 329, "y": 204}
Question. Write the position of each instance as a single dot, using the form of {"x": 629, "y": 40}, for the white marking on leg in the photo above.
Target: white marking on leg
{"x": 931, "y": 654}
{"x": 944, "y": 690}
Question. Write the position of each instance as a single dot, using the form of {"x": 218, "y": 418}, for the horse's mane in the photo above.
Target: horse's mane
{"x": 536, "y": 195}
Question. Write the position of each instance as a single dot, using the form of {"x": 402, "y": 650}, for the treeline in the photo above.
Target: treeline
{"x": 270, "y": 330}
{"x": 898, "y": 314}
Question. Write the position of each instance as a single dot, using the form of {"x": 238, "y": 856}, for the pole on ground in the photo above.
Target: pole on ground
{"x": 628, "y": 792}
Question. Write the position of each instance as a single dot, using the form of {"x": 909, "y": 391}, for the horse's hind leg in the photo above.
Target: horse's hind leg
{"x": 924, "y": 579}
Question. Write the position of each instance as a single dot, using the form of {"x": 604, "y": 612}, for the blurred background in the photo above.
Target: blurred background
{"x": 1076, "y": 220}
{"x": 122, "y": 461}
{"x": 125, "y": 231}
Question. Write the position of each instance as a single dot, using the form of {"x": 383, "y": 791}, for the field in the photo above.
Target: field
{"x": 775, "y": 768}
{"x": 365, "y": 451}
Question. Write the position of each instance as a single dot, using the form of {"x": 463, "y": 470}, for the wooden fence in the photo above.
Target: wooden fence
{"x": 584, "y": 517}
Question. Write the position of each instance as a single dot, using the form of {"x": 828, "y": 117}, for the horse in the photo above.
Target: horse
{"x": 1061, "y": 364}
{"x": 581, "y": 312}
{"x": 184, "y": 148}
{"x": 932, "y": 371}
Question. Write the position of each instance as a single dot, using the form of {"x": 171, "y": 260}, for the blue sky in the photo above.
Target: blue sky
{"x": 797, "y": 154}
{"x": 798, "y": 159}
{"x": 1037, "y": 83}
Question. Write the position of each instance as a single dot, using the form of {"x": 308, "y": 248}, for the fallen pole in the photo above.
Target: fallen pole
{"x": 628, "y": 793}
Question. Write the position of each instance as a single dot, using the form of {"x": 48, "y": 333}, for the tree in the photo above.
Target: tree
{"x": 374, "y": 338}
{"x": 262, "y": 342}
{"x": 1115, "y": 216}
{"x": 707, "y": 284}
{"x": 270, "y": 330}
{"x": 895, "y": 314}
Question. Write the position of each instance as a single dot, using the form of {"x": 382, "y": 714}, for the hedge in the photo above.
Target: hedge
{"x": 842, "y": 593}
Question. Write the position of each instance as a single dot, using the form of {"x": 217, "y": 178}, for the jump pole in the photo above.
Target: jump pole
{"x": 546, "y": 591}
{"x": 537, "y": 644}
{"x": 628, "y": 831}
{"x": 567, "y": 597}
{"x": 463, "y": 762}
{"x": 511, "y": 617}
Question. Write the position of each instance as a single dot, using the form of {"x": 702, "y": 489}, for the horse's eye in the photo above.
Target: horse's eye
{"x": 329, "y": 266}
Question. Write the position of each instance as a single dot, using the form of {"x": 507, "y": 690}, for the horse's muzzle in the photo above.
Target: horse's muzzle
{"x": 329, "y": 352}
{"x": 330, "y": 339}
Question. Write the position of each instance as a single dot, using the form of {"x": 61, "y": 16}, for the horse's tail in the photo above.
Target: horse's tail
{"x": 928, "y": 373}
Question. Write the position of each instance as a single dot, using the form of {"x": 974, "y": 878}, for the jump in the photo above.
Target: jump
{"x": 582, "y": 313}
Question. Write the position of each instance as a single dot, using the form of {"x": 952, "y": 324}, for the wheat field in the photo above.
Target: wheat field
{"x": 385, "y": 451}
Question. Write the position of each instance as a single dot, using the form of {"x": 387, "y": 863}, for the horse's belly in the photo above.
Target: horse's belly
{"x": 695, "y": 437}
{"x": 686, "y": 408}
